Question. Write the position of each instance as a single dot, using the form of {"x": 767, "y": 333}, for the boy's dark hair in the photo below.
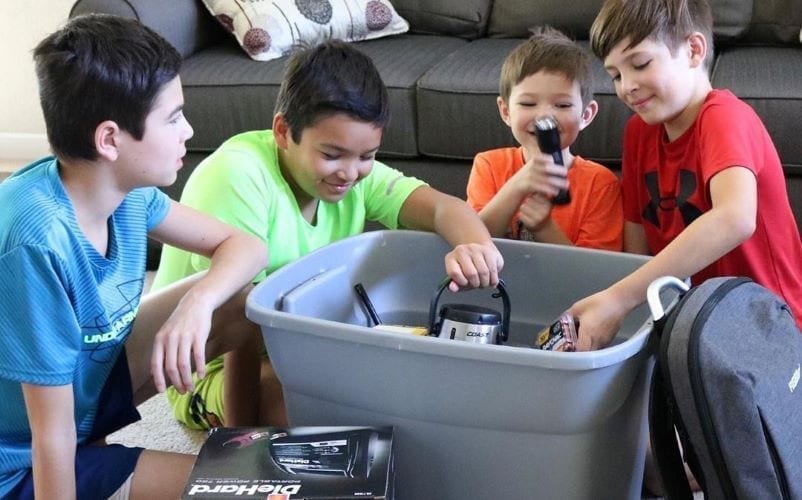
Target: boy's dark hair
{"x": 329, "y": 78}
{"x": 547, "y": 50}
{"x": 100, "y": 67}
{"x": 667, "y": 21}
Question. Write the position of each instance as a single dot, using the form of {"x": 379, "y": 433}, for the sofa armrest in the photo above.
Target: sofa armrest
{"x": 184, "y": 23}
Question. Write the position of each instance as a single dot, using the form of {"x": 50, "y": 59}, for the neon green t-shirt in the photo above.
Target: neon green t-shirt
{"x": 241, "y": 184}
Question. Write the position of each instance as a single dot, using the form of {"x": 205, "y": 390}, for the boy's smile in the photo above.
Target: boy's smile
{"x": 333, "y": 155}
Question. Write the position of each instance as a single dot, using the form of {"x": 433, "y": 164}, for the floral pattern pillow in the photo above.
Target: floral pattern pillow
{"x": 268, "y": 29}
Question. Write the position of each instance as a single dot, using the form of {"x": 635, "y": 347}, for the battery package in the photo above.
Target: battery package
{"x": 308, "y": 463}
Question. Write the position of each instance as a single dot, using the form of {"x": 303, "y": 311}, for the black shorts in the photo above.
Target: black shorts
{"x": 100, "y": 470}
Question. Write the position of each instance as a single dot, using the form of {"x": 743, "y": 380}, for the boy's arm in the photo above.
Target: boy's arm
{"x": 733, "y": 193}
{"x": 532, "y": 178}
{"x": 475, "y": 260}
{"x": 535, "y": 214}
{"x": 499, "y": 211}
{"x": 236, "y": 257}
{"x": 53, "y": 439}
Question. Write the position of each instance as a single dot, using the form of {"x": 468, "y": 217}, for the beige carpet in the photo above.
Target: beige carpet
{"x": 158, "y": 430}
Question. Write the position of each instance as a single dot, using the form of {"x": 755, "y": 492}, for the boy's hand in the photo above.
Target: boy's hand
{"x": 473, "y": 265}
{"x": 180, "y": 342}
{"x": 534, "y": 211}
{"x": 600, "y": 317}
{"x": 541, "y": 175}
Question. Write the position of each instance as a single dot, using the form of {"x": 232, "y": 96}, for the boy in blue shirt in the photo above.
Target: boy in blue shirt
{"x": 72, "y": 259}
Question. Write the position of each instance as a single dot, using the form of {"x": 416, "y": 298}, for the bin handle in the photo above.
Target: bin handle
{"x": 653, "y": 295}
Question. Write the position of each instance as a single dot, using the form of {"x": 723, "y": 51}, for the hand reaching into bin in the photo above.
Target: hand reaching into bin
{"x": 475, "y": 262}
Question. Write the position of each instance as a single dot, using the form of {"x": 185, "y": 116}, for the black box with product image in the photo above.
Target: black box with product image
{"x": 294, "y": 463}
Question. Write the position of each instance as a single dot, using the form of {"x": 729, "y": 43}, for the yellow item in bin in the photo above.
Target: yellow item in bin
{"x": 414, "y": 330}
{"x": 377, "y": 322}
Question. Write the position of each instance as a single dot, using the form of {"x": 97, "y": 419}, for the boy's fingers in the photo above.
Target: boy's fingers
{"x": 584, "y": 341}
{"x": 184, "y": 364}
{"x": 454, "y": 271}
{"x": 199, "y": 353}
{"x": 170, "y": 365}
{"x": 156, "y": 361}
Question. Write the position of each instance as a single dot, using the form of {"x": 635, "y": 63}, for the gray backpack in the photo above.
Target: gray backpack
{"x": 727, "y": 379}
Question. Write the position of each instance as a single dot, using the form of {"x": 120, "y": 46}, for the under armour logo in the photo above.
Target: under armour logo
{"x": 686, "y": 188}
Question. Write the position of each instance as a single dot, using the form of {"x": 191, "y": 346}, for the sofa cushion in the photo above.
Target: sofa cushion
{"x": 514, "y": 18}
{"x": 777, "y": 99}
{"x": 195, "y": 31}
{"x": 269, "y": 30}
{"x": 775, "y": 21}
{"x": 222, "y": 86}
{"x": 458, "y": 116}
{"x": 463, "y": 18}
{"x": 731, "y": 18}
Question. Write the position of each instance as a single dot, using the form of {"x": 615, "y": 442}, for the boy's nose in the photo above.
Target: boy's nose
{"x": 349, "y": 172}
{"x": 189, "y": 132}
{"x": 628, "y": 84}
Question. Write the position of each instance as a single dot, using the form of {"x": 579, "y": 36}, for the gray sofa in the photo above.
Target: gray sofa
{"x": 442, "y": 78}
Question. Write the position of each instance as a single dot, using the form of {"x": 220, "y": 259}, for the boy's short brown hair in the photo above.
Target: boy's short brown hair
{"x": 666, "y": 21}
{"x": 547, "y": 50}
{"x": 100, "y": 67}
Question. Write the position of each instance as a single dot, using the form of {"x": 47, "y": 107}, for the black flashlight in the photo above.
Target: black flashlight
{"x": 548, "y": 140}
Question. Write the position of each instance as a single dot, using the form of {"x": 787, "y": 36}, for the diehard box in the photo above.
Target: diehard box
{"x": 294, "y": 463}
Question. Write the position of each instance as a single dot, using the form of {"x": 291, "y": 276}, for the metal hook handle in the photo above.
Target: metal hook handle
{"x": 653, "y": 294}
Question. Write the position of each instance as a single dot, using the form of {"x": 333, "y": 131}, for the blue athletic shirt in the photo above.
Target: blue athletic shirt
{"x": 65, "y": 309}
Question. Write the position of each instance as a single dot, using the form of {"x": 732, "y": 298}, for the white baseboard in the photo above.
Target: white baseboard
{"x": 23, "y": 146}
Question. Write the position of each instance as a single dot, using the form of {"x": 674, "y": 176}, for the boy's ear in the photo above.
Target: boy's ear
{"x": 697, "y": 46}
{"x": 503, "y": 110}
{"x": 107, "y": 137}
{"x": 588, "y": 114}
{"x": 281, "y": 130}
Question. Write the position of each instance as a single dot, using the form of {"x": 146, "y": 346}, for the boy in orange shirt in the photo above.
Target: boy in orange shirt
{"x": 513, "y": 188}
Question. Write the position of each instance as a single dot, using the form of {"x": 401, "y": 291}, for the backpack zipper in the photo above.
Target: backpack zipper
{"x": 775, "y": 459}
{"x": 695, "y": 376}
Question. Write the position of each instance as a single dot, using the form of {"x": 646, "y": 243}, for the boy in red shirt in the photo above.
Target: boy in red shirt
{"x": 703, "y": 186}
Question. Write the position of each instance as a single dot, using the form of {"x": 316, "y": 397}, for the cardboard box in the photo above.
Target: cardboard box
{"x": 294, "y": 463}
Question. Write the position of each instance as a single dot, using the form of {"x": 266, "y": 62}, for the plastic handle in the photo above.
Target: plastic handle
{"x": 505, "y": 321}
{"x": 548, "y": 140}
{"x": 653, "y": 294}
{"x": 501, "y": 291}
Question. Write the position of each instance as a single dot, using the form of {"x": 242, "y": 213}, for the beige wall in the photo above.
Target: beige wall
{"x": 22, "y": 25}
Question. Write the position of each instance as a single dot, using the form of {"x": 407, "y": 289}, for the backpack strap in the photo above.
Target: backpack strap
{"x": 664, "y": 442}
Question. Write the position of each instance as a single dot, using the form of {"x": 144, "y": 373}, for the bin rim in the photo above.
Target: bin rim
{"x": 294, "y": 324}
{"x": 271, "y": 317}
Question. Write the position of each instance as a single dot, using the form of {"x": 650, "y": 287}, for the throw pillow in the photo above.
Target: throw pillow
{"x": 268, "y": 29}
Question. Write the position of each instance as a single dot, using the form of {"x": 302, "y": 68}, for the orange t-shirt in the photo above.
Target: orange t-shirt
{"x": 593, "y": 219}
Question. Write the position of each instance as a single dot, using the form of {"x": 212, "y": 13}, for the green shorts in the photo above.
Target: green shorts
{"x": 202, "y": 408}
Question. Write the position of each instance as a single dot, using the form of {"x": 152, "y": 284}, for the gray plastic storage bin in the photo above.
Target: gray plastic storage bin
{"x": 471, "y": 421}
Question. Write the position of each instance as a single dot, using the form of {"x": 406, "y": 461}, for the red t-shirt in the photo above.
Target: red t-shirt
{"x": 665, "y": 188}
{"x": 593, "y": 219}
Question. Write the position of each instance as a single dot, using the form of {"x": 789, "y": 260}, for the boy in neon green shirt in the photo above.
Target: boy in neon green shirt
{"x": 308, "y": 182}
